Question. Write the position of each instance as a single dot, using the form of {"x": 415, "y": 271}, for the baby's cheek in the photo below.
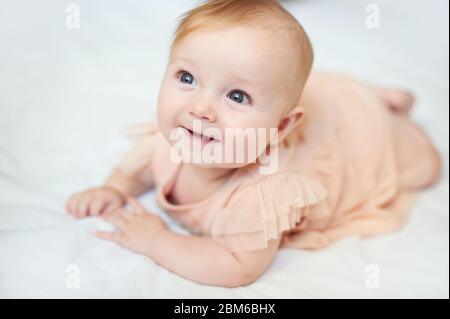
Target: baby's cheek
{"x": 166, "y": 114}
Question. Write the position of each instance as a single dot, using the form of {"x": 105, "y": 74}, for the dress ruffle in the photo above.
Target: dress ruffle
{"x": 266, "y": 208}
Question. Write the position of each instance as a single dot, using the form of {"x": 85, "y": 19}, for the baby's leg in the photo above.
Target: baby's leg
{"x": 425, "y": 168}
{"x": 399, "y": 101}
{"x": 418, "y": 159}
{"x": 427, "y": 159}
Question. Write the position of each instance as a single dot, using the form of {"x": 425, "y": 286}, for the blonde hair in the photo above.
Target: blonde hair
{"x": 267, "y": 14}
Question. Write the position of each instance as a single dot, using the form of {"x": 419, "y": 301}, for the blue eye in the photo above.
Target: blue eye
{"x": 239, "y": 97}
{"x": 186, "y": 77}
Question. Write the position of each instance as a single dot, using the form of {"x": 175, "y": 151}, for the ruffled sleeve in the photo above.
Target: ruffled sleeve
{"x": 137, "y": 161}
{"x": 263, "y": 210}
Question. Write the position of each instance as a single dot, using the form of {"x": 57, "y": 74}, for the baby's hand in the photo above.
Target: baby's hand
{"x": 94, "y": 202}
{"x": 137, "y": 229}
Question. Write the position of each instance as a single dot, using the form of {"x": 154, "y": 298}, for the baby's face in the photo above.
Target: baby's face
{"x": 222, "y": 80}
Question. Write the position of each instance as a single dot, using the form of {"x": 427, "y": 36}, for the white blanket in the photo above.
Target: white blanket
{"x": 66, "y": 93}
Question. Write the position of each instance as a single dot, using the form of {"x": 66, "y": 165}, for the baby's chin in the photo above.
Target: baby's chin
{"x": 198, "y": 159}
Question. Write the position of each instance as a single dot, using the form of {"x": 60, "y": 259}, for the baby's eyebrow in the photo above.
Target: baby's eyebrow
{"x": 245, "y": 81}
{"x": 255, "y": 86}
{"x": 172, "y": 60}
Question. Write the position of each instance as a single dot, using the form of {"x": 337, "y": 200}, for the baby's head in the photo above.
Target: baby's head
{"x": 235, "y": 64}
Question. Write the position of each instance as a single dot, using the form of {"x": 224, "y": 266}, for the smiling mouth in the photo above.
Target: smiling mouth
{"x": 202, "y": 137}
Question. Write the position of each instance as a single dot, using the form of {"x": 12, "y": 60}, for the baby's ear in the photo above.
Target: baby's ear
{"x": 289, "y": 122}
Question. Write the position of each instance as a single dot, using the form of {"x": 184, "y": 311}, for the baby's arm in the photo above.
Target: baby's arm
{"x": 129, "y": 185}
{"x": 204, "y": 260}
{"x": 201, "y": 259}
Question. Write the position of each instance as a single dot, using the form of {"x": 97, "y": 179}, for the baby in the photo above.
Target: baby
{"x": 348, "y": 159}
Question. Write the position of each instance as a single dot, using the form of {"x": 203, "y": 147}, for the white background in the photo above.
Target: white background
{"x": 66, "y": 93}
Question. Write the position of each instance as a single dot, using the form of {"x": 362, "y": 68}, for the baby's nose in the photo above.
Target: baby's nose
{"x": 204, "y": 111}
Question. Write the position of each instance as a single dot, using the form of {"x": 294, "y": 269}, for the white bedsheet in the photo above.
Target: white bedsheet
{"x": 65, "y": 94}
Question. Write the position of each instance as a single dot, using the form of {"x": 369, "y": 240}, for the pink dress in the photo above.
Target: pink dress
{"x": 351, "y": 167}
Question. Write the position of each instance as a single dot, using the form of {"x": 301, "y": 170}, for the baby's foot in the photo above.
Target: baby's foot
{"x": 399, "y": 101}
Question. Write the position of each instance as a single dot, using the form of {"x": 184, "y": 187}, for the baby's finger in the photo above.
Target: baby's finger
{"x": 116, "y": 237}
{"x": 96, "y": 206}
{"x": 126, "y": 214}
{"x": 68, "y": 205}
{"x": 73, "y": 204}
{"x": 137, "y": 207}
{"x": 111, "y": 207}
{"x": 83, "y": 205}
{"x": 117, "y": 220}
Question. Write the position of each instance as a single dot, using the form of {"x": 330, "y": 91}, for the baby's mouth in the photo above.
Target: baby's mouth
{"x": 203, "y": 138}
